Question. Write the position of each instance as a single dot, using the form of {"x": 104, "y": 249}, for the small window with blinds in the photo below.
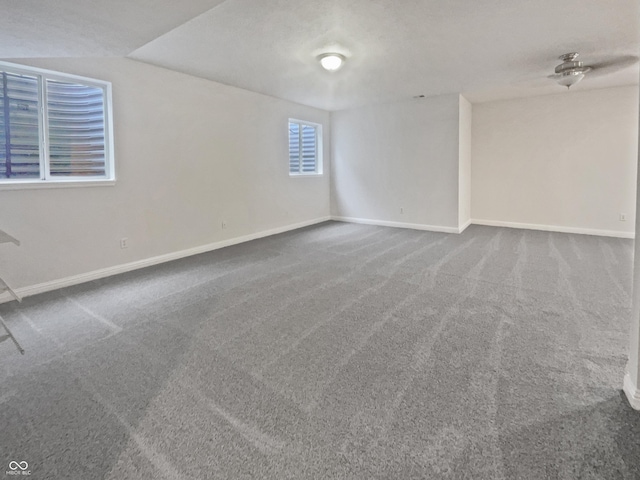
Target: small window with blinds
{"x": 305, "y": 148}
{"x": 54, "y": 128}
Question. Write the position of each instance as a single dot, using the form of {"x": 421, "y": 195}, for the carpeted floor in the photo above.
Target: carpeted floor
{"x": 335, "y": 351}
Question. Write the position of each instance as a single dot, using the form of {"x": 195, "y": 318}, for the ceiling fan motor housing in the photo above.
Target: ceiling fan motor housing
{"x": 570, "y": 65}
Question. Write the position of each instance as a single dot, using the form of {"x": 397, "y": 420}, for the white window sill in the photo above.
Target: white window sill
{"x": 305, "y": 174}
{"x": 56, "y": 184}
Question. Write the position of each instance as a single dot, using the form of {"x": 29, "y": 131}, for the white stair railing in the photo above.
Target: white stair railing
{"x": 6, "y": 238}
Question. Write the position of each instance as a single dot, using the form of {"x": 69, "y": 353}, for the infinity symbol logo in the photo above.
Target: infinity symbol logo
{"x": 13, "y": 465}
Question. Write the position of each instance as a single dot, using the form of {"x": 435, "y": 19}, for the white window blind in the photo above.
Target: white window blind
{"x": 53, "y": 127}
{"x": 304, "y": 148}
{"x": 19, "y": 127}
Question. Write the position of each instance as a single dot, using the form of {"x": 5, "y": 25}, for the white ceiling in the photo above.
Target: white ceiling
{"x": 395, "y": 49}
{"x": 89, "y": 28}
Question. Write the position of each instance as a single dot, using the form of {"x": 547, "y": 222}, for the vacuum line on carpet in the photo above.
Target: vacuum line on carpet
{"x": 157, "y": 459}
{"x": 112, "y": 326}
{"x": 266, "y": 444}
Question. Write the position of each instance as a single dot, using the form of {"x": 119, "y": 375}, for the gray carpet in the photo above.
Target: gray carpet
{"x": 335, "y": 351}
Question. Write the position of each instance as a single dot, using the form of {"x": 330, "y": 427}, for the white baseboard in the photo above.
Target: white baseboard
{"x": 554, "y": 228}
{"x": 632, "y": 392}
{"x": 464, "y": 226}
{"x": 147, "y": 262}
{"x": 384, "y": 223}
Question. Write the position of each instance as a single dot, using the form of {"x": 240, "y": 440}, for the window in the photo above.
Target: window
{"x": 305, "y": 148}
{"x": 54, "y": 128}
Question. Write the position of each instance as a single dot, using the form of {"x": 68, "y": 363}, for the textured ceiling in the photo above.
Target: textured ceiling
{"x": 89, "y": 28}
{"x": 395, "y": 49}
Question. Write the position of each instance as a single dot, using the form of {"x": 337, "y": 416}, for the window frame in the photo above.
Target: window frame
{"x": 46, "y": 180}
{"x": 318, "y": 163}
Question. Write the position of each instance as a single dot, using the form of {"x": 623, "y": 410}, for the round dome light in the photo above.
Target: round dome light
{"x": 331, "y": 61}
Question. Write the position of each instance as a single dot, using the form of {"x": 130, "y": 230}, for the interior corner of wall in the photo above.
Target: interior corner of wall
{"x": 465, "y": 100}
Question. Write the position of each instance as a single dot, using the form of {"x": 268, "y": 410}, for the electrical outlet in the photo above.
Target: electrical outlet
{"x": 623, "y": 217}
{"x": 124, "y": 242}
{"x": 224, "y": 224}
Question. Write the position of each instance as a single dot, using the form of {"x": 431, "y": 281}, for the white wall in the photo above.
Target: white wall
{"x": 397, "y": 156}
{"x": 566, "y": 160}
{"x": 631, "y": 382}
{"x": 464, "y": 169}
{"x": 189, "y": 153}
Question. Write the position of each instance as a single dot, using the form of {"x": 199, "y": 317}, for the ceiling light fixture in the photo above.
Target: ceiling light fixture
{"x": 567, "y": 79}
{"x": 571, "y": 71}
{"x": 331, "y": 61}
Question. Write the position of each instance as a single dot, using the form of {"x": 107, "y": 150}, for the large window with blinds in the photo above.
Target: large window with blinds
{"x": 305, "y": 148}
{"x": 54, "y": 128}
